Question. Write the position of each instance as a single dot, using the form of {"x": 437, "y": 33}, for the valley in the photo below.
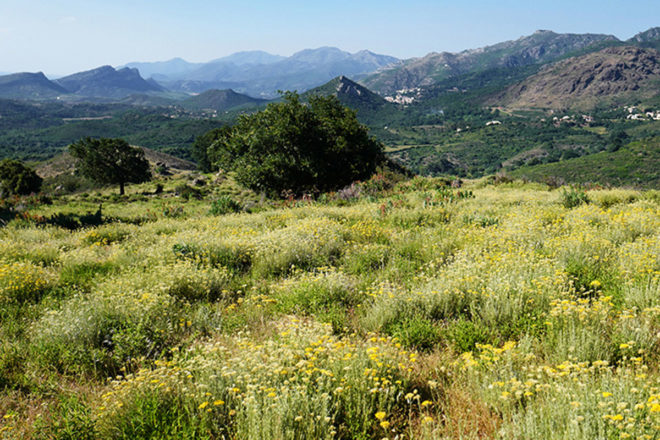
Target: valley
{"x": 333, "y": 245}
{"x": 549, "y": 97}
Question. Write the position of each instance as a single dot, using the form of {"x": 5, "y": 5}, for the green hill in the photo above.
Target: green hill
{"x": 220, "y": 100}
{"x": 371, "y": 108}
{"x": 637, "y": 164}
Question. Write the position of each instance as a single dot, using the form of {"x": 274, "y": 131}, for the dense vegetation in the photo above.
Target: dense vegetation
{"x": 40, "y": 131}
{"x": 17, "y": 179}
{"x": 636, "y": 164}
{"x": 299, "y": 148}
{"x": 387, "y": 309}
{"x": 110, "y": 161}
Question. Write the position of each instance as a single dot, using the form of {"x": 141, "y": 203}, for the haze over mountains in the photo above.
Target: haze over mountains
{"x": 529, "y": 71}
{"x": 260, "y": 74}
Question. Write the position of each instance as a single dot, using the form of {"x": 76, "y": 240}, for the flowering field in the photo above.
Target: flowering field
{"x": 422, "y": 312}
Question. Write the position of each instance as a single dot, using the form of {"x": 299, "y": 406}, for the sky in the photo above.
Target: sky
{"x": 61, "y": 37}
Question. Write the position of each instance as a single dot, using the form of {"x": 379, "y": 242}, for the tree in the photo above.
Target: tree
{"x": 292, "y": 146}
{"x": 201, "y": 145}
{"x": 16, "y": 178}
{"x": 110, "y": 161}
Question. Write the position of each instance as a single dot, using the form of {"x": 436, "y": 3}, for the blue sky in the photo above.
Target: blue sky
{"x": 65, "y": 36}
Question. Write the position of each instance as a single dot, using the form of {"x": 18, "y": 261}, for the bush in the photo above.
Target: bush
{"x": 188, "y": 192}
{"x": 465, "y": 335}
{"x": 326, "y": 295}
{"x": 17, "y": 179}
{"x": 416, "y": 332}
{"x": 21, "y": 282}
{"x": 224, "y": 205}
{"x": 573, "y": 197}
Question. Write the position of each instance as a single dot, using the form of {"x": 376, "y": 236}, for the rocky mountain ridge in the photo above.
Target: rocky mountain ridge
{"x": 618, "y": 75}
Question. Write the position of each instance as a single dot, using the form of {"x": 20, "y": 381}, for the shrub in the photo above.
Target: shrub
{"x": 573, "y": 197}
{"x": 416, "y": 333}
{"x": 17, "y": 179}
{"x": 188, "y": 192}
{"x": 464, "y": 335}
{"x": 22, "y": 281}
{"x": 224, "y": 205}
{"x": 327, "y": 295}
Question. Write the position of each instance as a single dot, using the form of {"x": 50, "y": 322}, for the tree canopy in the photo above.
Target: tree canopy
{"x": 17, "y": 179}
{"x": 293, "y": 146}
{"x": 202, "y": 143}
{"x": 110, "y": 161}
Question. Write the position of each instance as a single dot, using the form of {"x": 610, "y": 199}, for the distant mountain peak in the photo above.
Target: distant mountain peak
{"x": 26, "y": 85}
{"x": 649, "y": 35}
{"x": 105, "y": 81}
{"x": 220, "y": 100}
{"x": 350, "y": 94}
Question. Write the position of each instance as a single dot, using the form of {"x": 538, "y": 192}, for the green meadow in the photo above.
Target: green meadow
{"x": 399, "y": 309}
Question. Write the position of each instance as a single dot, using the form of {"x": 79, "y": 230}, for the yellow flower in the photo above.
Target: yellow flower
{"x": 380, "y": 415}
{"x": 203, "y": 405}
{"x": 219, "y": 402}
{"x": 427, "y": 403}
{"x": 385, "y": 424}
{"x": 606, "y": 394}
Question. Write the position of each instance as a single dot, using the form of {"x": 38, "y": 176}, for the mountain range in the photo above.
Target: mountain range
{"x": 540, "y": 47}
{"x": 261, "y": 75}
{"x": 545, "y": 70}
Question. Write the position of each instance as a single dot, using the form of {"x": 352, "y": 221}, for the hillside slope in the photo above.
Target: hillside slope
{"x": 63, "y": 163}
{"x": 637, "y": 164}
{"x": 29, "y": 86}
{"x": 220, "y": 100}
{"x": 106, "y": 82}
{"x": 540, "y": 47}
{"x": 614, "y": 75}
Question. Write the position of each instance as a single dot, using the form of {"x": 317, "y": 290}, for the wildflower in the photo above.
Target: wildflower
{"x": 385, "y": 424}
{"x": 380, "y": 415}
{"x": 203, "y": 405}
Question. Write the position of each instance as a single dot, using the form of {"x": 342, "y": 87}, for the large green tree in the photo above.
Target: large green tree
{"x": 110, "y": 161}
{"x": 299, "y": 147}
{"x": 202, "y": 143}
{"x": 16, "y": 178}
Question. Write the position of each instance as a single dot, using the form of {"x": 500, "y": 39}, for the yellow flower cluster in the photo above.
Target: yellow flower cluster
{"x": 23, "y": 281}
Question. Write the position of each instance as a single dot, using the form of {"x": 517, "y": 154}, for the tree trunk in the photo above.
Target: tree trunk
{"x": 121, "y": 188}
